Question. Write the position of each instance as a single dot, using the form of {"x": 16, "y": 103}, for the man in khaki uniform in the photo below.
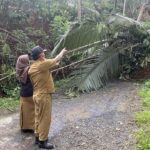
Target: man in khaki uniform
{"x": 43, "y": 87}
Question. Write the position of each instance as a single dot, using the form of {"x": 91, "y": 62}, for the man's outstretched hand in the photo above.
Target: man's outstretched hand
{"x": 64, "y": 51}
{"x": 61, "y": 54}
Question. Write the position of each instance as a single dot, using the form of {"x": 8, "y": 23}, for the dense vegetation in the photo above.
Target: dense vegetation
{"x": 105, "y": 38}
{"x": 143, "y": 119}
{"x": 25, "y": 24}
{"x": 98, "y": 29}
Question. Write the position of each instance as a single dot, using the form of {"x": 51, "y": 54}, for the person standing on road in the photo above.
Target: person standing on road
{"x": 27, "y": 110}
{"x": 43, "y": 87}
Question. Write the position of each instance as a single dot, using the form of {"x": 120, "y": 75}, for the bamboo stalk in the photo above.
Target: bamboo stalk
{"x": 129, "y": 19}
{"x": 87, "y": 46}
{"x": 3, "y": 74}
{"x": 11, "y": 36}
{"x": 7, "y": 76}
{"x": 72, "y": 64}
{"x": 77, "y": 62}
{"x": 9, "y": 109}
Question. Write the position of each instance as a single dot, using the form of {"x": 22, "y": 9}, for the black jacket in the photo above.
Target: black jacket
{"x": 26, "y": 89}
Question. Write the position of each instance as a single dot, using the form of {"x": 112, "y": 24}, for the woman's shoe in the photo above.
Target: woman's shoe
{"x": 36, "y": 140}
{"x": 27, "y": 130}
{"x": 45, "y": 144}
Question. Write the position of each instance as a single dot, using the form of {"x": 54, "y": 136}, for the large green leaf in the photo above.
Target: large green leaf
{"x": 81, "y": 34}
{"x": 97, "y": 70}
{"x": 100, "y": 61}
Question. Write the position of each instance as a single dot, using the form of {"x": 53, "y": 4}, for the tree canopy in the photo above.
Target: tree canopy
{"x": 99, "y": 29}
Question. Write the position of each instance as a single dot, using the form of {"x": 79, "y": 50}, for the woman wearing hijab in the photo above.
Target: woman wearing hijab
{"x": 26, "y": 92}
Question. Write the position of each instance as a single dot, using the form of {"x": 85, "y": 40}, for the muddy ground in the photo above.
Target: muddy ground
{"x": 101, "y": 120}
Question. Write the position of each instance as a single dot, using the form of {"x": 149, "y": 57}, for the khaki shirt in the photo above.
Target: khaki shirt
{"x": 41, "y": 76}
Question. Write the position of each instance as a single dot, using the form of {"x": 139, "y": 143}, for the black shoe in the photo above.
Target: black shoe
{"x": 27, "y": 131}
{"x": 45, "y": 144}
{"x": 36, "y": 140}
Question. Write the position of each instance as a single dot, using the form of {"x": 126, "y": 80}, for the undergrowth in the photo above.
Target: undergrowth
{"x": 9, "y": 104}
{"x": 143, "y": 119}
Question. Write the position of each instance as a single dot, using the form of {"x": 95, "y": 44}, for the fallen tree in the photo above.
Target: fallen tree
{"x": 122, "y": 46}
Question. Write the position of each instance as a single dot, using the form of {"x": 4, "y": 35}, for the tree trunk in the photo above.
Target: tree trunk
{"x": 115, "y": 4}
{"x": 79, "y": 10}
{"x": 124, "y": 7}
{"x": 141, "y": 12}
{"x": 148, "y": 2}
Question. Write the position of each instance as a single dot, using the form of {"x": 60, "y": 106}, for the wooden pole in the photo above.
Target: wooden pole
{"x": 89, "y": 45}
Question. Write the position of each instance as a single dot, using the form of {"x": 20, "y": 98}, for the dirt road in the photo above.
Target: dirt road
{"x": 101, "y": 120}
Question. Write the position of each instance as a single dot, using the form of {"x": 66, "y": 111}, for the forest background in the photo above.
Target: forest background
{"x": 54, "y": 24}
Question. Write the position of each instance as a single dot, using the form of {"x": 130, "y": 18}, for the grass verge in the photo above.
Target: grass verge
{"x": 143, "y": 120}
{"x": 10, "y": 104}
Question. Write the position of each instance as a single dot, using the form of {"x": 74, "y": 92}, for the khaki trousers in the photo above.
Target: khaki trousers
{"x": 27, "y": 113}
{"x": 43, "y": 108}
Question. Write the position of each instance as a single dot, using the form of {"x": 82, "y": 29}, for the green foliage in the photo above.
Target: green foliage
{"x": 59, "y": 26}
{"x": 146, "y": 102}
{"x": 146, "y": 42}
{"x": 24, "y": 44}
{"x": 145, "y": 93}
{"x": 95, "y": 75}
{"x": 6, "y": 49}
{"x": 8, "y": 85}
{"x": 25, "y": 24}
{"x": 146, "y": 25}
{"x": 72, "y": 93}
{"x": 143, "y": 119}
{"x": 81, "y": 34}
{"x": 61, "y": 83}
{"x": 9, "y": 103}
{"x": 143, "y": 139}
{"x": 11, "y": 91}
{"x": 101, "y": 62}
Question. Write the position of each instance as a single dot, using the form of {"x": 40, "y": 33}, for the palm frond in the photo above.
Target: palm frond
{"x": 96, "y": 71}
{"x": 100, "y": 45}
{"x": 80, "y": 35}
